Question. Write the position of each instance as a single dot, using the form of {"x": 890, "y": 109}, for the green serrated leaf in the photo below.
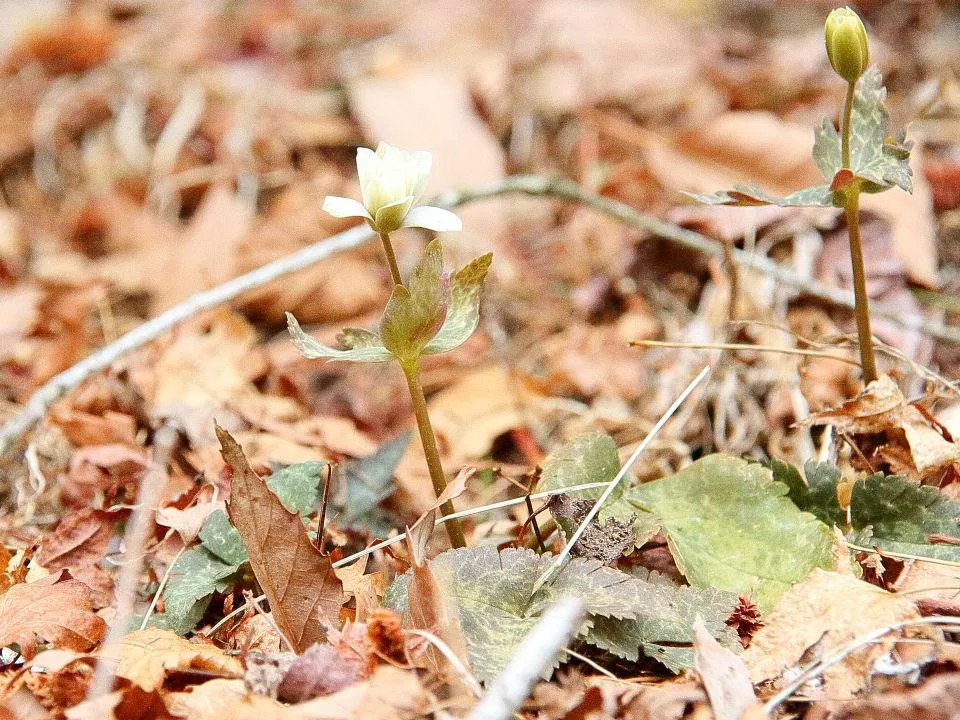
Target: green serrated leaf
{"x": 196, "y": 575}
{"x": 730, "y": 526}
{"x": 589, "y": 458}
{"x": 668, "y": 636}
{"x": 463, "y": 314}
{"x": 817, "y": 493}
{"x": 493, "y": 595}
{"x": 299, "y": 486}
{"x": 367, "y": 482}
{"x": 415, "y": 312}
{"x": 903, "y": 515}
{"x": 742, "y": 195}
{"x": 364, "y": 346}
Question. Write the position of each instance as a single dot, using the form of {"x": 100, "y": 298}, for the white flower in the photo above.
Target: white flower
{"x": 391, "y": 182}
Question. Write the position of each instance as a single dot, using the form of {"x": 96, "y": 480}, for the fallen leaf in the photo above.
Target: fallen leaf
{"x": 729, "y": 525}
{"x": 299, "y": 582}
{"x": 322, "y": 670}
{"x": 80, "y": 538}
{"x": 56, "y": 609}
{"x": 937, "y": 699}
{"x": 390, "y": 694}
{"x": 144, "y": 657}
{"x": 725, "y": 677}
{"x": 832, "y": 610}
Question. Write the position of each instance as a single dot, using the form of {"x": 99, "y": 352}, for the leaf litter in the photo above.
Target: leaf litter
{"x": 118, "y": 204}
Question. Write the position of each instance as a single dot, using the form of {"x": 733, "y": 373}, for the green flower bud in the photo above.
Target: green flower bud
{"x": 847, "y": 43}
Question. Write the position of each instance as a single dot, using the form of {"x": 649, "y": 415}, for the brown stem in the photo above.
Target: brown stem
{"x": 862, "y": 309}
{"x": 845, "y": 126}
{"x": 429, "y": 440}
{"x": 391, "y": 259}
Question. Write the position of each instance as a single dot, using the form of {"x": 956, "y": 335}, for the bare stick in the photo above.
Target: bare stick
{"x": 536, "y": 186}
{"x": 536, "y": 653}
{"x": 743, "y": 346}
{"x": 556, "y": 564}
{"x": 135, "y": 541}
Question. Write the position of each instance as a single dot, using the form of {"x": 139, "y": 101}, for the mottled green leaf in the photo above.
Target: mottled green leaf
{"x": 463, "y": 314}
{"x": 194, "y": 577}
{"x": 299, "y": 486}
{"x": 363, "y": 345}
{"x": 367, "y": 482}
{"x": 667, "y": 636}
{"x": 816, "y": 493}
{"x": 816, "y": 196}
{"x": 589, "y": 458}
{"x": 730, "y": 526}
{"x": 903, "y": 515}
{"x": 222, "y": 539}
{"x": 416, "y": 311}
{"x": 493, "y": 595}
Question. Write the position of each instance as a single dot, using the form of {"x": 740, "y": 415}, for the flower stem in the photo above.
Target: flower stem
{"x": 845, "y": 126}
{"x": 862, "y": 310}
{"x": 851, "y": 206}
{"x": 412, "y": 372}
{"x": 391, "y": 259}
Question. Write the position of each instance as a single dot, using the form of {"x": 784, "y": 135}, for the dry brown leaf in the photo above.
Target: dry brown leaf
{"x": 725, "y": 677}
{"x": 145, "y": 656}
{"x": 322, "y": 670}
{"x": 221, "y": 699}
{"x": 189, "y": 521}
{"x": 937, "y": 699}
{"x": 390, "y": 694}
{"x": 879, "y": 407}
{"x": 129, "y": 702}
{"x": 56, "y": 609}
{"x": 831, "y": 611}
{"x": 929, "y": 449}
{"x": 80, "y": 538}
{"x": 303, "y": 590}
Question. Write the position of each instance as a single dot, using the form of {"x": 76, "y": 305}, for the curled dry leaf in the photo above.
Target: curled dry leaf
{"x": 299, "y": 582}
{"x": 145, "y": 656}
{"x": 56, "y": 609}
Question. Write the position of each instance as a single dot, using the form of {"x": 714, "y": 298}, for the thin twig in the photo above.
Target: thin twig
{"x": 558, "y": 562}
{"x": 536, "y": 186}
{"x": 160, "y": 588}
{"x": 902, "y": 556}
{"x": 445, "y": 650}
{"x": 135, "y": 542}
{"x": 743, "y": 346}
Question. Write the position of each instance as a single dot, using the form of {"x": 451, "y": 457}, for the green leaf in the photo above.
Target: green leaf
{"x": 361, "y": 345}
{"x": 415, "y": 312}
{"x": 589, "y": 458}
{"x": 816, "y": 196}
{"x": 299, "y": 486}
{"x": 493, "y": 595}
{"x": 196, "y": 575}
{"x": 367, "y": 482}
{"x": 730, "y": 526}
{"x": 668, "y": 637}
{"x": 463, "y": 314}
{"x": 222, "y": 539}
{"x": 817, "y": 493}
{"x": 903, "y": 515}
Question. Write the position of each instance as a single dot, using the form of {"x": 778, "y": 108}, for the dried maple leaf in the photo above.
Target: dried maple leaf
{"x": 56, "y": 609}
{"x": 81, "y": 538}
{"x": 299, "y": 582}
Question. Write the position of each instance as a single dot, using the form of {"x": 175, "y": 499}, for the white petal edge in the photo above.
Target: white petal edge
{"x": 433, "y": 218}
{"x": 342, "y": 207}
{"x": 366, "y": 164}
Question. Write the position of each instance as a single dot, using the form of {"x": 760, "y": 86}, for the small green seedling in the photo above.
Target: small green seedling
{"x": 431, "y": 313}
{"x": 861, "y": 157}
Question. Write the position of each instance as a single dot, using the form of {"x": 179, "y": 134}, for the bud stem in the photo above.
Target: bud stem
{"x": 862, "y": 310}
{"x": 430, "y": 451}
{"x": 845, "y": 126}
{"x": 391, "y": 258}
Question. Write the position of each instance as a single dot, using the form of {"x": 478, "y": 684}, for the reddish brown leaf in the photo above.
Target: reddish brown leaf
{"x": 56, "y": 609}
{"x": 81, "y": 538}
{"x": 299, "y": 582}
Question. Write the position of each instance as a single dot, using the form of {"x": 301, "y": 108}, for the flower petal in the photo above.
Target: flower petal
{"x": 366, "y": 165}
{"x": 390, "y": 217}
{"x": 342, "y": 207}
{"x": 433, "y": 218}
{"x": 421, "y": 160}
